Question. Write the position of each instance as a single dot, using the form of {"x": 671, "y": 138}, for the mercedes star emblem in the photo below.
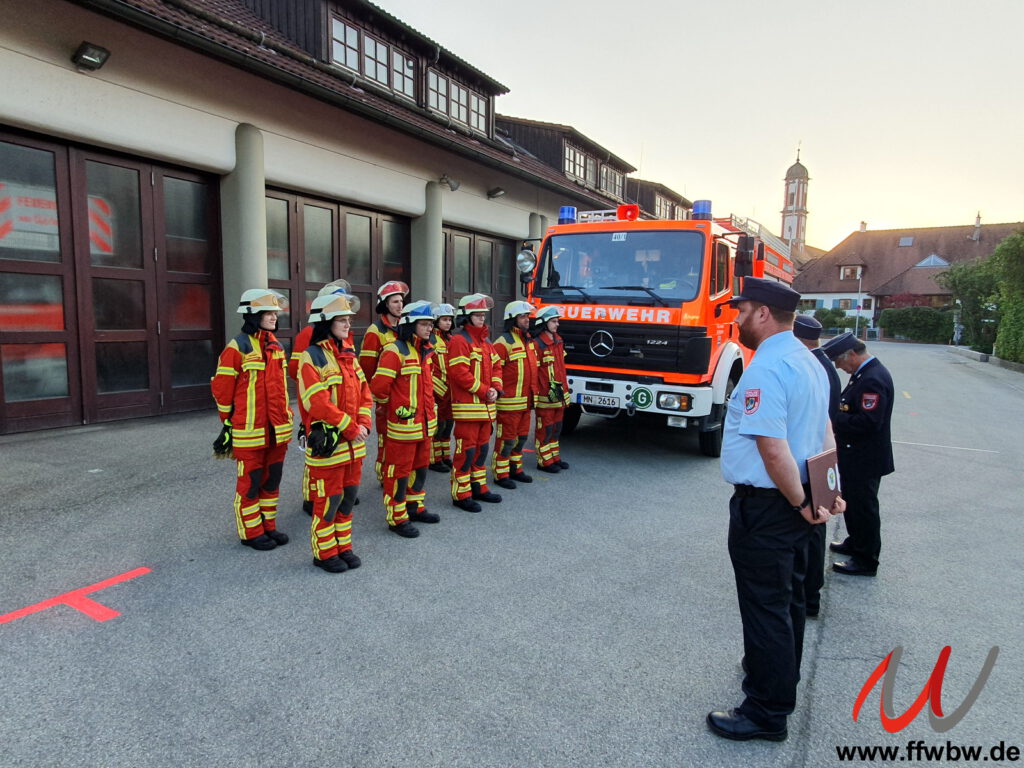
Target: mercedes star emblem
{"x": 602, "y": 343}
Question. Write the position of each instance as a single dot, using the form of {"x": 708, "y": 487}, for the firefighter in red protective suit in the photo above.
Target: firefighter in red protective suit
{"x": 390, "y": 298}
{"x": 553, "y": 385}
{"x": 337, "y": 403}
{"x": 474, "y": 378}
{"x": 299, "y": 345}
{"x": 251, "y": 391}
{"x": 518, "y": 360}
{"x": 441, "y": 447}
{"x": 404, "y": 384}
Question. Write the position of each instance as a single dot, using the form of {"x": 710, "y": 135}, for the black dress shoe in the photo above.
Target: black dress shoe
{"x": 841, "y": 547}
{"x": 738, "y": 727}
{"x": 853, "y": 567}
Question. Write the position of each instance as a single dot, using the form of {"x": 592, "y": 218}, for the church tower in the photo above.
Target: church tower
{"x": 794, "y": 211}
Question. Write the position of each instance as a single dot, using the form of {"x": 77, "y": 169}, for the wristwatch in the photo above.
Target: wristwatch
{"x": 805, "y": 503}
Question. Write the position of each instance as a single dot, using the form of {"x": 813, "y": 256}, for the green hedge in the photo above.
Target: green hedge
{"x": 1009, "y": 261}
{"x": 925, "y": 324}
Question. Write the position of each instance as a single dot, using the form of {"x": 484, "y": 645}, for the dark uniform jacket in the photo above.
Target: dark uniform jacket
{"x": 863, "y": 438}
{"x": 834, "y": 385}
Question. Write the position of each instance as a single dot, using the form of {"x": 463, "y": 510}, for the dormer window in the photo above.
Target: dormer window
{"x": 933, "y": 261}
{"x": 375, "y": 60}
{"x": 461, "y": 104}
{"x": 612, "y": 181}
{"x": 849, "y": 273}
{"x": 662, "y": 207}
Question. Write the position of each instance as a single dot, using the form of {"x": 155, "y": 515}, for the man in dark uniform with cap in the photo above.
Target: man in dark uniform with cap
{"x": 808, "y": 330}
{"x": 777, "y": 417}
{"x": 864, "y": 446}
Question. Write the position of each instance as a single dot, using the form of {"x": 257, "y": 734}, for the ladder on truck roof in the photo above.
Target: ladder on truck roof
{"x": 757, "y": 229}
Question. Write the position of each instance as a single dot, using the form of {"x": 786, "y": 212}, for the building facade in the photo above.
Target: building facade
{"x": 228, "y": 144}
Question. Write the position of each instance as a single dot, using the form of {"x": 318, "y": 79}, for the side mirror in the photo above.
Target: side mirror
{"x": 745, "y": 256}
{"x": 526, "y": 262}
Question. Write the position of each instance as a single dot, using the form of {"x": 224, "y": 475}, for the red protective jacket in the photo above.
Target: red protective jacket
{"x": 251, "y": 391}
{"x": 333, "y": 390}
{"x": 517, "y": 357}
{"x": 380, "y": 333}
{"x": 551, "y": 368}
{"x": 473, "y": 368}
{"x": 404, "y": 382}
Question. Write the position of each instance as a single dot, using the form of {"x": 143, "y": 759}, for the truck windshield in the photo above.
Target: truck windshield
{"x": 621, "y": 267}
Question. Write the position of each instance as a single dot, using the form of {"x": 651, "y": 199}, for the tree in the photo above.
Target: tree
{"x": 1008, "y": 263}
{"x": 975, "y": 286}
{"x": 830, "y": 317}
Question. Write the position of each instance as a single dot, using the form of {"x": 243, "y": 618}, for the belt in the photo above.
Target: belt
{"x": 746, "y": 491}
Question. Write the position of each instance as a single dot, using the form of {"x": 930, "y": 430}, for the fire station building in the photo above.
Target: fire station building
{"x": 158, "y": 157}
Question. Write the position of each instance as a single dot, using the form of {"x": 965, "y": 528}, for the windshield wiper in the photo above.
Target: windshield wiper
{"x": 653, "y": 295}
{"x": 571, "y": 288}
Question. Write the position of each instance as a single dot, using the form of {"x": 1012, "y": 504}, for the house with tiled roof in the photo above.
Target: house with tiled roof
{"x": 158, "y": 157}
{"x": 872, "y": 270}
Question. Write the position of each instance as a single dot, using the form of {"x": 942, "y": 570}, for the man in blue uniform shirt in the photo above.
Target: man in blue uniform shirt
{"x": 808, "y": 330}
{"x": 777, "y": 418}
{"x": 864, "y": 448}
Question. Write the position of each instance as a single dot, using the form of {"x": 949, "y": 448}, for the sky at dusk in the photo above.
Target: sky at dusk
{"x": 908, "y": 113}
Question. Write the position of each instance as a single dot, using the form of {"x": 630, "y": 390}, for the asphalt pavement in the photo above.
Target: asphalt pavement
{"x": 589, "y": 619}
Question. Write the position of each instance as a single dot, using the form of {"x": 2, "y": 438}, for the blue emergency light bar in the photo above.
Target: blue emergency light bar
{"x": 567, "y": 214}
{"x": 702, "y": 210}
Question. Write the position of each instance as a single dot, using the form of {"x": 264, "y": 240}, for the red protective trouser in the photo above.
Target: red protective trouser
{"x": 403, "y": 457}
{"x": 380, "y": 421}
{"x": 514, "y": 428}
{"x": 471, "y": 442}
{"x": 549, "y": 427}
{"x": 257, "y": 489}
{"x": 329, "y": 537}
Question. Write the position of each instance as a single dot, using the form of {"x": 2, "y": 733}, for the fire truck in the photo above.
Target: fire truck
{"x": 645, "y": 319}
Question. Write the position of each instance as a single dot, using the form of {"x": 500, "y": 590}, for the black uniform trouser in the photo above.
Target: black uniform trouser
{"x": 863, "y": 521}
{"x": 815, "y": 578}
{"x": 768, "y": 549}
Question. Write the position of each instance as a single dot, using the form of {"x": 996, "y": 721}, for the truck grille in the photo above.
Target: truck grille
{"x": 636, "y": 345}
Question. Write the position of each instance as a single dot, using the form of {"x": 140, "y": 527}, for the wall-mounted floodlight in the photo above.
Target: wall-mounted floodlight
{"x": 451, "y": 183}
{"x": 495, "y": 192}
{"x": 90, "y": 57}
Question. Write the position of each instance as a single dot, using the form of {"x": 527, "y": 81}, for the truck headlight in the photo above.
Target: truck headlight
{"x": 672, "y": 401}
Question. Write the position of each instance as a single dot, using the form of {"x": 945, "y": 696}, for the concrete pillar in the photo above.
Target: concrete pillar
{"x": 427, "y": 267}
{"x": 244, "y": 222}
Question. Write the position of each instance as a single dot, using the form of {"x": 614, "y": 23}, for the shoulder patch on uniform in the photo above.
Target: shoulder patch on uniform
{"x": 751, "y": 401}
{"x": 869, "y": 401}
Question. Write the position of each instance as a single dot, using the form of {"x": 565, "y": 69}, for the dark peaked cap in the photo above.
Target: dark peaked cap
{"x": 844, "y": 342}
{"x": 768, "y": 292}
{"x": 806, "y": 327}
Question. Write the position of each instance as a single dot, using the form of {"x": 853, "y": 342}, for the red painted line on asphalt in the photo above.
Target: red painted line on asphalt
{"x": 77, "y": 599}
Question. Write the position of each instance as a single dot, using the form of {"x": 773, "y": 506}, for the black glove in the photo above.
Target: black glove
{"x": 323, "y": 439}
{"x": 300, "y": 436}
{"x": 556, "y": 392}
{"x": 222, "y": 445}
